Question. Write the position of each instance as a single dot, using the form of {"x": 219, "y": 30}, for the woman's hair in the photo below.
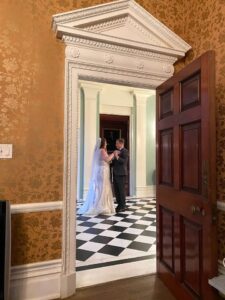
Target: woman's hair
{"x": 103, "y": 141}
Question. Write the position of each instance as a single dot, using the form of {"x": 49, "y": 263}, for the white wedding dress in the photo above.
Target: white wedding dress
{"x": 99, "y": 199}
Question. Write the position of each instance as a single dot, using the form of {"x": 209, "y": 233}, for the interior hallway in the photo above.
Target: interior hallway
{"x": 139, "y": 288}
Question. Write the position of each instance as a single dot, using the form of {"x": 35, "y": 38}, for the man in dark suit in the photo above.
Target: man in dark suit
{"x": 119, "y": 173}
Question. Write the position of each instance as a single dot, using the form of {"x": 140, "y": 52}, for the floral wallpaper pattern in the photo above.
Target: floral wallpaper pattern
{"x": 31, "y": 110}
{"x": 36, "y": 237}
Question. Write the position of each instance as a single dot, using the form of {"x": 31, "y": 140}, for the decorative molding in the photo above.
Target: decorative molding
{"x": 163, "y": 31}
{"x": 88, "y": 12}
{"x": 36, "y": 207}
{"x": 72, "y": 52}
{"x": 122, "y": 71}
{"x": 152, "y": 38}
{"x": 107, "y": 25}
{"x": 106, "y": 46}
{"x": 108, "y": 58}
{"x": 140, "y": 65}
{"x": 221, "y": 205}
{"x": 71, "y": 109}
{"x": 36, "y": 281}
{"x": 117, "y": 9}
{"x": 125, "y": 22}
{"x": 169, "y": 69}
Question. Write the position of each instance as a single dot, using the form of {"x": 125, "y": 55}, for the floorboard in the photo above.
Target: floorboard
{"x": 139, "y": 288}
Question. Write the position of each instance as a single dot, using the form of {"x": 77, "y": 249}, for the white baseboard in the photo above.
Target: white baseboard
{"x": 68, "y": 285}
{"x": 218, "y": 282}
{"x": 36, "y": 281}
{"x": 146, "y": 191}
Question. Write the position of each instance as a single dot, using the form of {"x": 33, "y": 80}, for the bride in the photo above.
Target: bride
{"x": 99, "y": 199}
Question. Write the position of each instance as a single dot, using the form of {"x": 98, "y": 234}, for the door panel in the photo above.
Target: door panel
{"x": 166, "y": 103}
{"x": 167, "y": 251}
{"x": 190, "y": 92}
{"x": 192, "y": 244}
{"x": 166, "y": 147}
{"x": 186, "y": 190}
{"x": 191, "y": 156}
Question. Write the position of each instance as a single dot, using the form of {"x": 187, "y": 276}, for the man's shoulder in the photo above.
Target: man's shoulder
{"x": 125, "y": 151}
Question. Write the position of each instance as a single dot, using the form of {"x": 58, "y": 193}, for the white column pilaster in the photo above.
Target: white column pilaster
{"x": 90, "y": 127}
{"x": 141, "y": 186}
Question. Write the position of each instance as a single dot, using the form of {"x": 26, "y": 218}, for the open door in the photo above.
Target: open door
{"x": 186, "y": 181}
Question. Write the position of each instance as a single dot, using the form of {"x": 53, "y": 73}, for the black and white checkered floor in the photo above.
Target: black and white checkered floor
{"x": 124, "y": 237}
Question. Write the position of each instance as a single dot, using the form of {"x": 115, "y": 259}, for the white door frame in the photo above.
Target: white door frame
{"x": 119, "y": 57}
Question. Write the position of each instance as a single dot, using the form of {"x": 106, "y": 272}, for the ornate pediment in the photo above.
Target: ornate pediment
{"x": 127, "y": 28}
{"x": 122, "y": 22}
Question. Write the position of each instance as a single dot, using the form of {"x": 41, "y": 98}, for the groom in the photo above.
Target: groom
{"x": 119, "y": 173}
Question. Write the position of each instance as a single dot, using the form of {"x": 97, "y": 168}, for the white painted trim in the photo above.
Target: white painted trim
{"x": 116, "y": 272}
{"x": 36, "y": 281}
{"x": 67, "y": 284}
{"x": 221, "y": 205}
{"x": 146, "y": 191}
{"x": 218, "y": 282}
{"x": 221, "y": 267}
{"x": 36, "y": 207}
{"x": 71, "y": 129}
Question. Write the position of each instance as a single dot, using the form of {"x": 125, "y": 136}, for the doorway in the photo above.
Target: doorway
{"x": 113, "y": 127}
{"x": 105, "y": 52}
{"x": 128, "y": 239}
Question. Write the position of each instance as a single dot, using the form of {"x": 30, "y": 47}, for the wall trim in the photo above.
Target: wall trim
{"x": 36, "y": 207}
{"x": 146, "y": 191}
{"x": 221, "y": 205}
{"x": 221, "y": 267}
{"x": 36, "y": 281}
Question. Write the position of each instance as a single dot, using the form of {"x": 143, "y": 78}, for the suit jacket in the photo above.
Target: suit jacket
{"x": 120, "y": 164}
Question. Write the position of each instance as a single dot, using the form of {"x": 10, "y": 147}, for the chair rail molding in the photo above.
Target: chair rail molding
{"x": 36, "y": 207}
{"x": 117, "y": 42}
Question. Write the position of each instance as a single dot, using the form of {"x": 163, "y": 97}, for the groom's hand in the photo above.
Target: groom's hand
{"x": 116, "y": 153}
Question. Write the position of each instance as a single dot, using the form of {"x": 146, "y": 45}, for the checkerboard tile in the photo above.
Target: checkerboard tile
{"x": 128, "y": 234}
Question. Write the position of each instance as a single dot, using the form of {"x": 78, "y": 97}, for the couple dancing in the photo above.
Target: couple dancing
{"x": 99, "y": 199}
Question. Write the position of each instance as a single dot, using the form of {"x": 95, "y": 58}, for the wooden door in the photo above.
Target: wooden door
{"x": 186, "y": 175}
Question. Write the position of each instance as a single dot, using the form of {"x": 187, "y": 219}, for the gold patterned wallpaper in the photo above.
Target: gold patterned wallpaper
{"x": 31, "y": 110}
{"x": 36, "y": 237}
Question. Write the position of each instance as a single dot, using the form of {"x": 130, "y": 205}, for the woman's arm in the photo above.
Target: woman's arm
{"x": 105, "y": 155}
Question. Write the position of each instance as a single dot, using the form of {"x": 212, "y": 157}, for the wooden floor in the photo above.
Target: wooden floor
{"x": 140, "y": 288}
